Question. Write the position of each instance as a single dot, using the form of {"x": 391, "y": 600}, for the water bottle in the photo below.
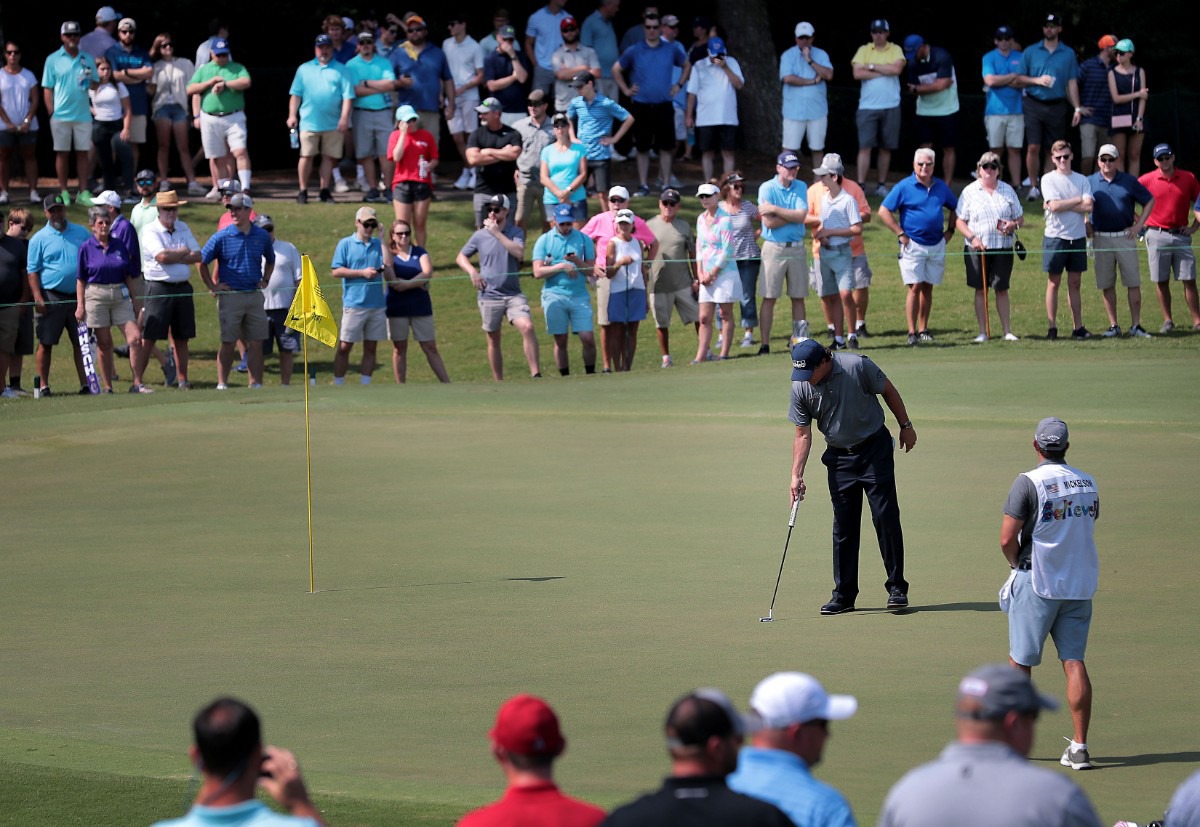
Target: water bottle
{"x": 37, "y": 387}
{"x": 422, "y": 168}
{"x": 1091, "y": 249}
{"x": 294, "y": 136}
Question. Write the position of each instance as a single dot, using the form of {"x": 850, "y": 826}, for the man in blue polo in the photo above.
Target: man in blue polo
{"x": 922, "y": 231}
{"x": 1114, "y": 227}
{"x": 423, "y": 77}
{"x": 805, "y": 71}
{"x": 372, "y": 78}
{"x": 592, "y": 115}
{"x": 783, "y": 206}
{"x": 543, "y": 36}
{"x": 319, "y": 104}
{"x": 53, "y": 266}
{"x": 246, "y": 258}
{"x": 1050, "y": 77}
{"x": 644, "y": 74}
{"x": 563, "y": 257}
{"x": 66, "y": 78}
{"x": 794, "y": 712}
{"x": 1003, "y": 116}
{"x": 358, "y": 262}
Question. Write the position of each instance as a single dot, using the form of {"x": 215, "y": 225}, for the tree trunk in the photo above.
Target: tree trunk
{"x": 760, "y": 103}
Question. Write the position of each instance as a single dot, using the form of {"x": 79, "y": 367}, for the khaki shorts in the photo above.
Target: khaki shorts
{"x": 421, "y": 327}
{"x": 779, "y": 262}
{"x": 465, "y": 119}
{"x": 222, "y": 134}
{"x": 1004, "y": 130}
{"x": 331, "y": 143}
{"x": 137, "y": 129}
{"x": 922, "y": 265}
{"x": 682, "y": 300}
{"x": 65, "y": 133}
{"x": 603, "y": 291}
{"x": 241, "y": 316}
{"x": 107, "y": 305}
{"x": 1115, "y": 252}
{"x": 493, "y": 311}
{"x": 363, "y": 323}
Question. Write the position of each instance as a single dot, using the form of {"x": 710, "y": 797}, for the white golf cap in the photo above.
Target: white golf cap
{"x": 619, "y": 192}
{"x": 1109, "y": 149}
{"x": 624, "y": 217}
{"x": 787, "y": 698}
{"x": 804, "y": 29}
{"x": 108, "y": 198}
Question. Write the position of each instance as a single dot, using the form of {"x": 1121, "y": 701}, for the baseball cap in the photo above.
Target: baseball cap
{"x": 526, "y": 725}
{"x": 145, "y": 175}
{"x": 127, "y": 23}
{"x": 992, "y": 691}
{"x": 716, "y": 46}
{"x": 806, "y": 356}
{"x": 707, "y": 189}
{"x": 488, "y": 105}
{"x": 414, "y": 20}
{"x": 1051, "y": 434}
{"x": 624, "y": 217}
{"x": 1108, "y": 149}
{"x": 1124, "y": 45}
{"x": 366, "y": 214}
{"x": 805, "y": 29}
{"x": 1002, "y": 32}
{"x": 537, "y": 96}
{"x": 911, "y": 44}
{"x": 794, "y": 698}
{"x": 788, "y": 160}
{"x": 265, "y": 221}
{"x": 671, "y": 20}
{"x": 51, "y": 202}
{"x": 106, "y": 14}
{"x": 618, "y": 192}
{"x": 240, "y": 199}
{"x": 69, "y": 27}
{"x": 405, "y": 113}
{"x": 108, "y": 198}
{"x": 220, "y": 46}
{"x": 831, "y": 164}
{"x": 228, "y": 185}
{"x": 1053, "y": 19}
{"x": 670, "y": 194}
{"x": 323, "y": 40}
{"x": 879, "y": 24}
{"x": 560, "y": 117}
{"x": 366, "y": 37}
{"x": 568, "y": 22}
{"x": 716, "y": 718}
{"x": 1106, "y": 41}
{"x": 499, "y": 201}
{"x": 1161, "y": 150}
{"x": 506, "y": 33}
{"x": 563, "y": 214}
{"x": 582, "y": 79}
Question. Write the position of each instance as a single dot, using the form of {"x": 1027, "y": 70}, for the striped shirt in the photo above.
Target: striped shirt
{"x": 982, "y": 209}
{"x": 594, "y": 121}
{"x": 745, "y": 246}
{"x": 241, "y": 257}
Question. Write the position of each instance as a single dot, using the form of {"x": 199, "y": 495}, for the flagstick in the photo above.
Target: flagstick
{"x": 308, "y": 454}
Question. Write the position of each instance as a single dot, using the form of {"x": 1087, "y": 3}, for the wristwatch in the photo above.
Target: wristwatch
{"x": 871, "y": 66}
{"x": 906, "y": 424}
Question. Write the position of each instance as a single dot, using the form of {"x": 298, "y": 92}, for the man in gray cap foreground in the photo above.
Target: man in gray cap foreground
{"x": 794, "y": 712}
{"x": 983, "y": 778}
{"x": 1047, "y": 537}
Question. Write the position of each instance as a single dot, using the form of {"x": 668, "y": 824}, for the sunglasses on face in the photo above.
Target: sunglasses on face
{"x": 167, "y": 45}
{"x": 370, "y": 225}
{"x": 653, "y": 28}
{"x": 670, "y": 203}
{"x": 1164, "y": 156}
{"x": 416, "y": 29}
{"x": 708, "y": 195}
{"x": 616, "y": 199}
{"x": 1062, "y": 157}
{"x": 989, "y": 165}
{"x": 405, "y": 233}
{"x": 493, "y": 209}
{"x": 145, "y": 182}
{"x": 1106, "y": 159}
{"x": 12, "y": 51}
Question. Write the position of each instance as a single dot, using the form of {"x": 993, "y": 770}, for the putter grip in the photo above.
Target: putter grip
{"x": 792, "y": 518}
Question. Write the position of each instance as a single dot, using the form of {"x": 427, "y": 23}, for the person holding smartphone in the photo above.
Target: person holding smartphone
{"x": 358, "y": 261}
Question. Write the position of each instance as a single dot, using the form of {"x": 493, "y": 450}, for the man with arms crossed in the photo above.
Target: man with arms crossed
{"x": 878, "y": 66}
{"x": 1048, "y": 538}
{"x": 1068, "y": 199}
{"x": 1114, "y": 228}
{"x": 1003, "y": 116}
{"x": 783, "y": 207}
{"x": 168, "y": 252}
{"x": 984, "y": 778}
{"x": 838, "y": 392}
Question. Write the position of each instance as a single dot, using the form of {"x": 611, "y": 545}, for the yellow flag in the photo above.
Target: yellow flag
{"x": 309, "y": 312}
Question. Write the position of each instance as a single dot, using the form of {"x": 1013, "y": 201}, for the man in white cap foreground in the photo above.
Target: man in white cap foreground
{"x": 984, "y": 777}
{"x": 794, "y": 713}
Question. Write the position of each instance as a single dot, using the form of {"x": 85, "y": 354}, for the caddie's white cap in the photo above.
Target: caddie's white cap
{"x": 787, "y": 698}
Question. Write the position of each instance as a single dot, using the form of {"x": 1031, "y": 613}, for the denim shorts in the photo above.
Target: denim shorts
{"x": 172, "y": 112}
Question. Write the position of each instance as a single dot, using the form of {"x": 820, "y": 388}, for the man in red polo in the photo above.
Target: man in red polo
{"x": 1169, "y": 233}
{"x": 525, "y": 741}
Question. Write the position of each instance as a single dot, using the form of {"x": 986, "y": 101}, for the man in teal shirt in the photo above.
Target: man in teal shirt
{"x": 372, "y": 79}
{"x": 66, "y": 79}
{"x": 319, "y": 105}
{"x": 53, "y": 266}
{"x": 563, "y": 257}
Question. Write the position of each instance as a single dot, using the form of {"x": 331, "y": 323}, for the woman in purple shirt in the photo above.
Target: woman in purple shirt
{"x": 104, "y": 287}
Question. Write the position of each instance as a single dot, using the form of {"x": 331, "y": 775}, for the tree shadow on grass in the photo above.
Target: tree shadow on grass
{"x": 445, "y": 583}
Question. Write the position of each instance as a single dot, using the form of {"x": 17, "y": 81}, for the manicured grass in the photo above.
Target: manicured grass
{"x": 609, "y": 542}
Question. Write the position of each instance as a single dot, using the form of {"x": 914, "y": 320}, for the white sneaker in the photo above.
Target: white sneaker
{"x": 666, "y": 362}
{"x": 747, "y": 340}
{"x": 9, "y": 393}
{"x": 4, "y": 197}
{"x": 464, "y": 180}
{"x": 340, "y": 185}
{"x": 164, "y": 185}
{"x": 980, "y": 339}
{"x": 195, "y": 188}
{"x": 1034, "y": 194}
{"x": 363, "y": 186}
{"x": 35, "y": 197}
{"x": 799, "y": 331}
{"x": 1139, "y": 332}
{"x": 1011, "y": 337}
{"x": 221, "y": 386}
{"x": 213, "y": 194}
{"x": 882, "y": 190}
{"x": 616, "y": 157}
